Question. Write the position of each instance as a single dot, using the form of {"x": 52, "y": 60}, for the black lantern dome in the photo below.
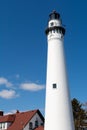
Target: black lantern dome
{"x": 54, "y": 15}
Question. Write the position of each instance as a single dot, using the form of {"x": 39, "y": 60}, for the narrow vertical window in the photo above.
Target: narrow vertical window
{"x": 54, "y": 31}
{"x": 58, "y": 31}
{"x": 3, "y": 125}
{"x": 30, "y": 126}
{"x": 36, "y": 123}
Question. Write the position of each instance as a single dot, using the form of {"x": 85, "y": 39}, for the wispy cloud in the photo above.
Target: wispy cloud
{"x": 4, "y": 81}
{"x": 8, "y": 94}
{"x": 31, "y": 86}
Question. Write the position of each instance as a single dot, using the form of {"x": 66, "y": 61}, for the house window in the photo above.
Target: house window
{"x": 54, "y": 86}
{"x": 42, "y": 124}
{"x": 3, "y": 125}
{"x": 36, "y": 123}
{"x": 30, "y": 126}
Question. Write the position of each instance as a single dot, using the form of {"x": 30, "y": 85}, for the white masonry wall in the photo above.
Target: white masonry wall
{"x": 58, "y": 111}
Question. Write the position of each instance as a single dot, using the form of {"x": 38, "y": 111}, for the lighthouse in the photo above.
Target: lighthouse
{"x": 58, "y": 110}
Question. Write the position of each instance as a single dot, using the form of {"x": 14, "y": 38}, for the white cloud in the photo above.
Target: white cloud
{"x": 8, "y": 94}
{"x": 10, "y": 112}
{"x": 31, "y": 86}
{"x": 4, "y": 81}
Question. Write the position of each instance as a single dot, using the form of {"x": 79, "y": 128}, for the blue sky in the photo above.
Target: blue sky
{"x": 23, "y": 51}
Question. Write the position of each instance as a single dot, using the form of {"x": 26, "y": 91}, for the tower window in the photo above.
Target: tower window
{"x": 51, "y": 24}
{"x": 58, "y": 31}
{"x": 50, "y": 32}
{"x": 54, "y": 86}
{"x": 54, "y": 31}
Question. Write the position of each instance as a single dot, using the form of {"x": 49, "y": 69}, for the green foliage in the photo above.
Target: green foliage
{"x": 79, "y": 114}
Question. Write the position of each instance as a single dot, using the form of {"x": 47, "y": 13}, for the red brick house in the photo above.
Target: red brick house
{"x": 30, "y": 120}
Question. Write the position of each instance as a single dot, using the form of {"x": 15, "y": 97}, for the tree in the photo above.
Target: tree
{"x": 79, "y": 114}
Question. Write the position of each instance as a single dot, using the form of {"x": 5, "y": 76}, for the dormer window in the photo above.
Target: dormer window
{"x": 36, "y": 123}
{"x": 30, "y": 126}
{"x": 42, "y": 124}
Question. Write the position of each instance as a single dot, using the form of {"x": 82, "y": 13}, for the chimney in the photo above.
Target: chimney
{"x": 1, "y": 113}
{"x": 17, "y": 111}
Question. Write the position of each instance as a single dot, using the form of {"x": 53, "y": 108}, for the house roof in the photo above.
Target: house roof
{"x": 7, "y": 118}
{"x": 39, "y": 128}
{"x": 20, "y": 119}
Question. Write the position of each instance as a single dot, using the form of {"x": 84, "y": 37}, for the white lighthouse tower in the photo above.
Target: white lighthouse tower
{"x": 58, "y": 112}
